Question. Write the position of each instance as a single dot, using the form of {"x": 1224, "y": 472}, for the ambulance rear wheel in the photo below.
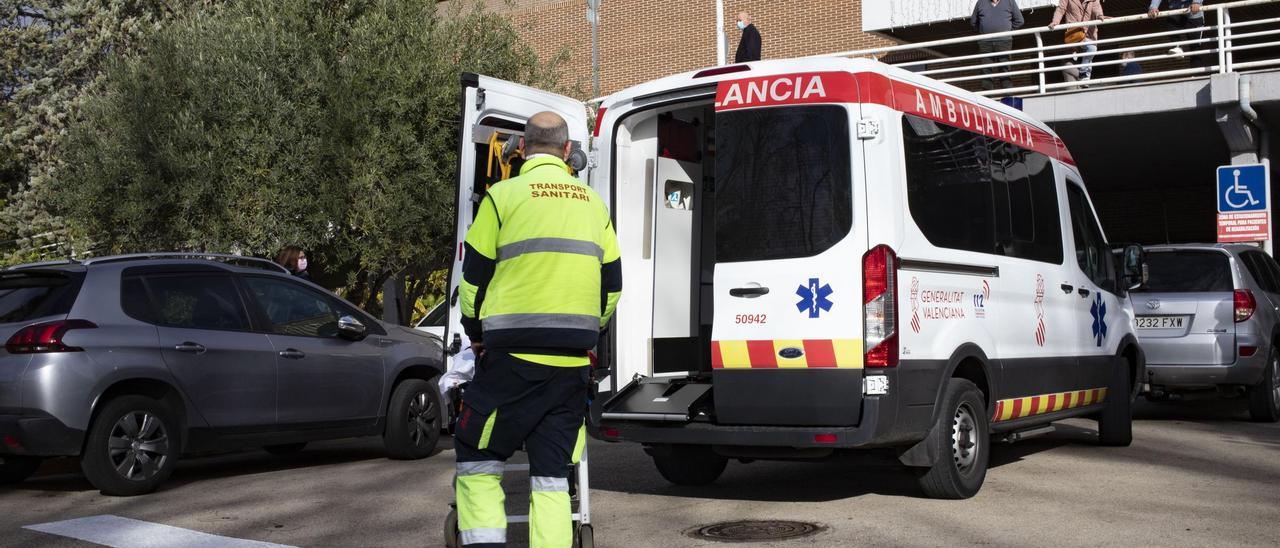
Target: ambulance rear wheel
{"x": 1115, "y": 421}
{"x": 964, "y": 437}
{"x": 688, "y": 464}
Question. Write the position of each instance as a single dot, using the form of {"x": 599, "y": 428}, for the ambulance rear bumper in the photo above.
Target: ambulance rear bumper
{"x": 879, "y": 427}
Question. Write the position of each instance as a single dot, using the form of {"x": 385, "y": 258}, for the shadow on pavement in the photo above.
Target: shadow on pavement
{"x": 800, "y": 481}
{"x": 63, "y": 474}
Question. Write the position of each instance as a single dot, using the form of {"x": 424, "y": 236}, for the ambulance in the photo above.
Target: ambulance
{"x": 832, "y": 257}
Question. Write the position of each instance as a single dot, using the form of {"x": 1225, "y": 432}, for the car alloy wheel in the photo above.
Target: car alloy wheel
{"x": 964, "y": 442}
{"x": 138, "y": 446}
{"x": 424, "y": 419}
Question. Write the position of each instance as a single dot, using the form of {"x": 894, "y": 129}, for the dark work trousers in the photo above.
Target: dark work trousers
{"x": 992, "y": 46}
{"x": 1195, "y": 31}
{"x": 513, "y": 403}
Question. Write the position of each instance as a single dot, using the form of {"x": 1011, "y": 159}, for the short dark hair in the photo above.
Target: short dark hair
{"x": 545, "y": 133}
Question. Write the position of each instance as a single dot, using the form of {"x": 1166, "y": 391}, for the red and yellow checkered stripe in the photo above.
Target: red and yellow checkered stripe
{"x": 766, "y": 354}
{"x": 1017, "y": 408}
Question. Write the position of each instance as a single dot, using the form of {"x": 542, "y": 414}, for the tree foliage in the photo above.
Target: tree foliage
{"x": 51, "y": 58}
{"x": 331, "y": 125}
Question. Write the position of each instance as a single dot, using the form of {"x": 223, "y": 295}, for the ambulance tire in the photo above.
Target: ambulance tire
{"x": 689, "y": 464}
{"x": 964, "y": 438}
{"x": 1115, "y": 421}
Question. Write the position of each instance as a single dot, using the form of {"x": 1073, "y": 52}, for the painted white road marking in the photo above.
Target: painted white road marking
{"x": 121, "y": 532}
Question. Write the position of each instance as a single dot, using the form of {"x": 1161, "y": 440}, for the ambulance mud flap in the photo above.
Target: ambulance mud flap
{"x": 658, "y": 400}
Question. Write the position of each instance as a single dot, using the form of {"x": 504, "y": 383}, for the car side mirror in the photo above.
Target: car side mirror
{"x": 351, "y": 329}
{"x": 1135, "y": 266}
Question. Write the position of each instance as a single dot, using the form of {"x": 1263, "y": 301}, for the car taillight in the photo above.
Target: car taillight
{"x": 880, "y": 307}
{"x": 595, "y": 132}
{"x": 45, "y": 337}
{"x": 1244, "y": 304}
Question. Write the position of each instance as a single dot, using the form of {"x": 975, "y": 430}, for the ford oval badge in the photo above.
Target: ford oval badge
{"x": 791, "y": 353}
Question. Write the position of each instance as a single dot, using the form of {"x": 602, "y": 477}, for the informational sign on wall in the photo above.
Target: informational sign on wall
{"x": 1244, "y": 208}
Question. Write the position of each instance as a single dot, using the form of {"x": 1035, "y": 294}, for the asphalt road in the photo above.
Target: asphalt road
{"x": 1198, "y": 474}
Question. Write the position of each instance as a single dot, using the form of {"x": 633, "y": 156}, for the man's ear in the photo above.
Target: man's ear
{"x": 568, "y": 148}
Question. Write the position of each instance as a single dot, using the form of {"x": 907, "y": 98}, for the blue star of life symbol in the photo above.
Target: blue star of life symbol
{"x": 1099, "y": 313}
{"x": 814, "y": 298}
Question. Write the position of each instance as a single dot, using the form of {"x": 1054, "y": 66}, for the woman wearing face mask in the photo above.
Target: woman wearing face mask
{"x": 294, "y": 258}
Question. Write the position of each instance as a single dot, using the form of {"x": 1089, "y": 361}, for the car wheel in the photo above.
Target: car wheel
{"x": 965, "y": 436}
{"x": 14, "y": 469}
{"x": 285, "y": 448}
{"x": 131, "y": 447}
{"x": 414, "y": 420}
{"x": 688, "y": 464}
{"x": 1115, "y": 422}
{"x": 1264, "y": 398}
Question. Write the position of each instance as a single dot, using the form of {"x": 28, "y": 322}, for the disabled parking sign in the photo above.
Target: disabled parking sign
{"x": 1242, "y": 188}
{"x": 1244, "y": 211}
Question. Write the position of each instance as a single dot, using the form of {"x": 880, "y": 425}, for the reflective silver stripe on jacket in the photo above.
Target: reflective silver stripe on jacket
{"x": 476, "y": 468}
{"x": 529, "y": 321}
{"x": 545, "y": 483}
{"x": 550, "y": 245}
{"x": 483, "y": 536}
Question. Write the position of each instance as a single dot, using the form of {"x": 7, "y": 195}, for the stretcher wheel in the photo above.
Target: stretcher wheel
{"x": 586, "y": 539}
{"x": 452, "y": 539}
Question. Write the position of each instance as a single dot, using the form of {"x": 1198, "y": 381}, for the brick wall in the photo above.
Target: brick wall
{"x": 641, "y": 40}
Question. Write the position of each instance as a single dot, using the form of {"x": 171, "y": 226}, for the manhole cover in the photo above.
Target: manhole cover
{"x": 754, "y": 531}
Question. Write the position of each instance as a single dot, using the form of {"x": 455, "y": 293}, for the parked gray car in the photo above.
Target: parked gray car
{"x": 1209, "y": 317}
{"x": 130, "y": 361}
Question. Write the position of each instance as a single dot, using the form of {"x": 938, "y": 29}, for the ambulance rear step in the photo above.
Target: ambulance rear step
{"x": 657, "y": 399}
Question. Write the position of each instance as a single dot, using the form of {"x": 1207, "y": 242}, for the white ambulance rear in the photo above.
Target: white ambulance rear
{"x": 827, "y": 256}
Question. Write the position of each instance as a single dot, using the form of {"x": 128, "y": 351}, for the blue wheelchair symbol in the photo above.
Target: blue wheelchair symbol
{"x": 1242, "y": 188}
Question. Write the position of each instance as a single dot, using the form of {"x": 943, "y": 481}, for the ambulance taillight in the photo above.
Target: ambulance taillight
{"x": 880, "y": 307}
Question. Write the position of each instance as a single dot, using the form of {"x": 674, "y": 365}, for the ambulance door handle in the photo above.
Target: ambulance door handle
{"x": 1067, "y": 288}
{"x": 748, "y": 292}
{"x": 1083, "y": 292}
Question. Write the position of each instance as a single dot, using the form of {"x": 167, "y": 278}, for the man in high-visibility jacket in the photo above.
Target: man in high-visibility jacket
{"x": 541, "y": 277}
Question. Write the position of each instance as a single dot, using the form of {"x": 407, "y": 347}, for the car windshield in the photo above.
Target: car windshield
{"x": 1187, "y": 271}
{"x": 25, "y": 296}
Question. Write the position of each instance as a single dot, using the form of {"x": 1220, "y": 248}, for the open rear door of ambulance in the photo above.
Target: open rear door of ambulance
{"x": 787, "y": 342}
{"x": 493, "y": 107}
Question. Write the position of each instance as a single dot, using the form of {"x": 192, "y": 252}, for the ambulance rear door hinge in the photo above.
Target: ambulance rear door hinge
{"x": 868, "y": 128}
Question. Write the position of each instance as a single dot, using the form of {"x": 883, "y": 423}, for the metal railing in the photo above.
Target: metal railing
{"x": 1211, "y": 49}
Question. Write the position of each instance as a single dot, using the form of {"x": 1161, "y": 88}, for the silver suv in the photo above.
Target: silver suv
{"x": 1209, "y": 317}
{"x": 130, "y": 361}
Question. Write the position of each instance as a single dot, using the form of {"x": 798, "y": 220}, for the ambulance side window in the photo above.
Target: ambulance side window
{"x": 968, "y": 192}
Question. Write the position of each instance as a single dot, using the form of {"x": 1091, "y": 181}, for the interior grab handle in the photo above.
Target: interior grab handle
{"x": 1067, "y": 288}
{"x": 748, "y": 292}
{"x": 1084, "y": 292}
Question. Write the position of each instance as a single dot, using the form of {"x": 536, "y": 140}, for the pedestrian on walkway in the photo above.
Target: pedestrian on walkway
{"x": 989, "y": 17}
{"x": 1079, "y": 11}
{"x": 749, "y": 45}
{"x": 541, "y": 277}
{"x": 1192, "y": 22}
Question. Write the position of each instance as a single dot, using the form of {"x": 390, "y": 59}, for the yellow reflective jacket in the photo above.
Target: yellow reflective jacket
{"x": 542, "y": 272}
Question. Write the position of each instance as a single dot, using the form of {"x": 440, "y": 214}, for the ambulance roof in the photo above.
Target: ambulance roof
{"x": 663, "y": 87}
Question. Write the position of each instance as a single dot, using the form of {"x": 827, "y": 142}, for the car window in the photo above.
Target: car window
{"x": 1256, "y": 262}
{"x": 29, "y": 295}
{"x": 197, "y": 302}
{"x": 1273, "y": 268}
{"x": 436, "y": 317}
{"x": 134, "y": 299}
{"x": 1187, "y": 272}
{"x": 1092, "y": 253}
{"x": 292, "y": 309}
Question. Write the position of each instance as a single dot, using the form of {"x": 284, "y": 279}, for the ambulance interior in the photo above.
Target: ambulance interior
{"x": 664, "y": 158}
